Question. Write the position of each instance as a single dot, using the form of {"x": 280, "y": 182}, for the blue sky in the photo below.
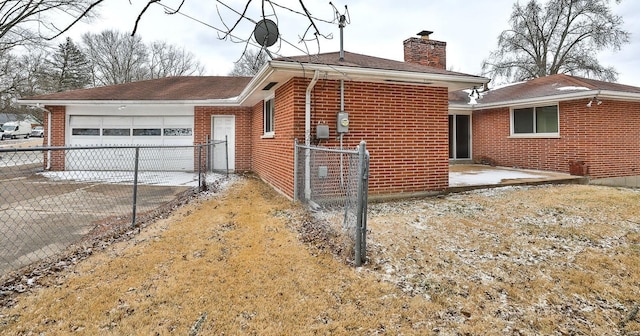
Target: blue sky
{"x": 377, "y": 28}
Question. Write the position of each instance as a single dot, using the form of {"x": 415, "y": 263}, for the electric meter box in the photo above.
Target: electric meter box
{"x": 342, "y": 123}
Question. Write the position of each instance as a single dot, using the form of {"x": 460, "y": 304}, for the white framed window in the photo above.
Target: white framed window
{"x": 538, "y": 121}
{"x": 269, "y": 117}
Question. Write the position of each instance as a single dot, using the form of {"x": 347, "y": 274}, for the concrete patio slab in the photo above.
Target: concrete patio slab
{"x": 473, "y": 176}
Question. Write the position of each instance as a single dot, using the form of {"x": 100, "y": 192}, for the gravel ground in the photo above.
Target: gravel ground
{"x": 516, "y": 260}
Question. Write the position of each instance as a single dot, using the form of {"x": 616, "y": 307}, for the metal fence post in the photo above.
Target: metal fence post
{"x": 295, "y": 170}
{"x": 207, "y": 154}
{"x": 360, "y": 204}
{"x": 135, "y": 187}
{"x": 365, "y": 196}
{"x": 226, "y": 152}
{"x": 200, "y": 186}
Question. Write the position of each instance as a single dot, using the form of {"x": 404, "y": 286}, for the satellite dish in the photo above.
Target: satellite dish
{"x": 266, "y": 33}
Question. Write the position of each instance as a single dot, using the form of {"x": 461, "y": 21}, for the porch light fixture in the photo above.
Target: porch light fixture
{"x": 598, "y": 101}
{"x": 474, "y": 95}
{"x": 122, "y": 107}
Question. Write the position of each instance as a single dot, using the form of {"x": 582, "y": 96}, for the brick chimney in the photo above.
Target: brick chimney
{"x": 424, "y": 51}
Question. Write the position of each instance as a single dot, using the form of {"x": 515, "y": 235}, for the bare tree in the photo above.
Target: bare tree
{"x": 168, "y": 60}
{"x": 250, "y": 63}
{"x": 25, "y": 22}
{"x": 564, "y": 36}
{"x": 21, "y": 76}
{"x": 115, "y": 57}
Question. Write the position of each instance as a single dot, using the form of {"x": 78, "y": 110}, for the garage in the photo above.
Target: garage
{"x": 102, "y": 130}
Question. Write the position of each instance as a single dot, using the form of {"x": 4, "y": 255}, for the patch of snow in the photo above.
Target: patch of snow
{"x": 457, "y": 179}
{"x": 504, "y": 85}
{"x": 573, "y": 88}
{"x": 185, "y": 179}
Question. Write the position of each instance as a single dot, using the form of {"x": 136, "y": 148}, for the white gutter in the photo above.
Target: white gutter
{"x": 619, "y": 95}
{"x": 307, "y": 135}
{"x": 534, "y": 100}
{"x": 206, "y": 102}
{"x": 408, "y": 77}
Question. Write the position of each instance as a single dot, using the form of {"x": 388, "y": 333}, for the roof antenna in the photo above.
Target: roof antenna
{"x": 343, "y": 21}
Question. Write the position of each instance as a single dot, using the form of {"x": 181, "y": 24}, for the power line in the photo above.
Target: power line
{"x": 248, "y": 41}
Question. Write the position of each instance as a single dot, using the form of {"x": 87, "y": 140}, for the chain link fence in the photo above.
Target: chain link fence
{"x": 334, "y": 185}
{"x": 56, "y": 199}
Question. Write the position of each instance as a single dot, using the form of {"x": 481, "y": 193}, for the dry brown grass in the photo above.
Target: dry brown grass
{"x": 543, "y": 260}
{"x": 232, "y": 257}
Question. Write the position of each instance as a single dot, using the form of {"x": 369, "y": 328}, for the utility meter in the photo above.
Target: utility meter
{"x": 342, "y": 124}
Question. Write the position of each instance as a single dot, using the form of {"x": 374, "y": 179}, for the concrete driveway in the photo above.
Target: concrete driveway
{"x": 40, "y": 216}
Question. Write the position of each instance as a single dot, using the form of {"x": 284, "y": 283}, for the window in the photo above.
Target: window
{"x": 85, "y": 131}
{"x": 116, "y": 132}
{"x": 147, "y": 132}
{"x": 535, "y": 121}
{"x": 269, "y": 117}
{"x": 177, "y": 132}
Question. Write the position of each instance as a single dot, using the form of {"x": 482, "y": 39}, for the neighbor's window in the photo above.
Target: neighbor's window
{"x": 541, "y": 120}
{"x": 269, "y": 117}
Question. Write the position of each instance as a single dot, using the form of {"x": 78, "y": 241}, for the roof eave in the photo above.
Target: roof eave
{"x": 453, "y": 82}
{"x": 227, "y": 102}
{"x": 536, "y": 100}
{"x": 619, "y": 95}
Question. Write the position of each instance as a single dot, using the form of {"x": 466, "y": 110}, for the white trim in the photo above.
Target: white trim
{"x": 381, "y": 74}
{"x": 535, "y": 136}
{"x": 271, "y": 133}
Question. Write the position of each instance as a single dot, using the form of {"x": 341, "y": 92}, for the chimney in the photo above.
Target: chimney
{"x": 424, "y": 51}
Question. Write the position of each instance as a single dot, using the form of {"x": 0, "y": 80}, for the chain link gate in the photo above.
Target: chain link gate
{"x": 333, "y": 183}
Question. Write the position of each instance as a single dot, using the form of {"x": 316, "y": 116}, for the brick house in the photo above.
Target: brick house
{"x": 399, "y": 108}
{"x": 558, "y": 123}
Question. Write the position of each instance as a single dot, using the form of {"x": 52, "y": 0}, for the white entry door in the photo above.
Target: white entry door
{"x": 222, "y": 126}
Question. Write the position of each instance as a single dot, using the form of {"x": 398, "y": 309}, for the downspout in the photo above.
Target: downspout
{"x": 48, "y": 133}
{"x": 48, "y": 138}
{"x": 307, "y": 136}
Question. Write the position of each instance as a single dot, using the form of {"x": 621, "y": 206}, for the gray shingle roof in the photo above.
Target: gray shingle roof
{"x": 369, "y": 62}
{"x": 549, "y": 86}
{"x": 169, "y": 88}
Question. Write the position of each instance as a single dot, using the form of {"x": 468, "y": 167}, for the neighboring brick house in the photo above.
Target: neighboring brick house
{"x": 399, "y": 108}
{"x": 558, "y": 123}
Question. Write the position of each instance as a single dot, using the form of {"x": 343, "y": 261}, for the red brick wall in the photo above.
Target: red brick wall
{"x": 405, "y": 127}
{"x": 202, "y": 130}
{"x": 58, "y": 132}
{"x": 273, "y": 157}
{"x": 605, "y": 137}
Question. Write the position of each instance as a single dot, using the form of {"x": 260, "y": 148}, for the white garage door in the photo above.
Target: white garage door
{"x": 127, "y": 131}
